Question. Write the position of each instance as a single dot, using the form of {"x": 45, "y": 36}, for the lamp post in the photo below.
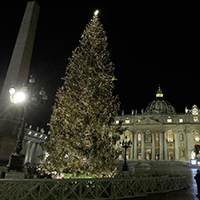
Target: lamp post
{"x": 21, "y": 98}
{"x": 125, "y": 144}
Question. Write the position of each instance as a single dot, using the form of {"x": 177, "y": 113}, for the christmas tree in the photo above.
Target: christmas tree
{"x": 83, "y": 137}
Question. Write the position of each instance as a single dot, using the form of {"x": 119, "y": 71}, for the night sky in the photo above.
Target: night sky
{"x": 151, "y": 43}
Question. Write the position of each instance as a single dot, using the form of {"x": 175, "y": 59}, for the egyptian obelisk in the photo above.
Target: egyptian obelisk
{"x": 17, "y": 75}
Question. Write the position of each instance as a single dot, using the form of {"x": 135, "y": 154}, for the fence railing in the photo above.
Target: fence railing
{"x": 86, "y": 189}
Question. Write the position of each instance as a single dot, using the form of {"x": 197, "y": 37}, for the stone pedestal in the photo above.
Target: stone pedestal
{"x": 16, "y": 162}
{"x": 8, "y": 140}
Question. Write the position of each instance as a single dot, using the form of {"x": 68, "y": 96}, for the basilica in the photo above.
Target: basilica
{"x": 158, "y": 133}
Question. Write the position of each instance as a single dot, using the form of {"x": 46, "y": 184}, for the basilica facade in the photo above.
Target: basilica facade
{"x": 158, "y": 133}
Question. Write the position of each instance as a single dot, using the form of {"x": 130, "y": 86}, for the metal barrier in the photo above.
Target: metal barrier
{"x": 80, "y": 189}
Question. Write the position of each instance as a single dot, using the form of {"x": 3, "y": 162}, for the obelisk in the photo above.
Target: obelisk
{"x": 17, "y": 75}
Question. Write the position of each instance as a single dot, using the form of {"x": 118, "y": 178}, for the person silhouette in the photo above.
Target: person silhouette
{"x": 3, "y": 174}
{"x": 197, "y": 178}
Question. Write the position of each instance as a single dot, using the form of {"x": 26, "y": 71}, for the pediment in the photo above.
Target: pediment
{"x": 148, "y": 122}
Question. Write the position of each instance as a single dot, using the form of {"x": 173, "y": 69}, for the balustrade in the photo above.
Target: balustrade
{"x": 100, "y": 188}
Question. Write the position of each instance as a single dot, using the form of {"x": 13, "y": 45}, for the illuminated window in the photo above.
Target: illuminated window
{"x": 117, "y": 121}
{"x": 157, "y": 156}
{"x": 197, "y": 137}
{"x": 195, "y": 118}
{"x": 180, "y": 120}
{"x": 139, "y": 156}
{"x": 139, "y": 137}
{"x": 170, "y": 137}
{"x": 127, "y": 121}
{"x": 157, "y": 136}
{"x": 169, "y": 120}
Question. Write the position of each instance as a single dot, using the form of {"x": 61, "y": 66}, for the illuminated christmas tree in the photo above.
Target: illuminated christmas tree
{"x": 83, "y": 137}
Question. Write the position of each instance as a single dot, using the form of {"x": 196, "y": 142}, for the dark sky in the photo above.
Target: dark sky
{"x": 151, "y": 43}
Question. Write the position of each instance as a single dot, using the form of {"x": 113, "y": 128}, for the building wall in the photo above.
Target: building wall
{"x": 161, "y": 137}
{"x": 32, "y": 146}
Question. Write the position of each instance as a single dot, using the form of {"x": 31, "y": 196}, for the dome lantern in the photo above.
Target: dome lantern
{"x": 159, "y": 105}
{"x": 159, "y": 93}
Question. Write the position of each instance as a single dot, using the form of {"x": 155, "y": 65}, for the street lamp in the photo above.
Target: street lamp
{"x": 21, "y": 97}
{"x": 125, "y": 144}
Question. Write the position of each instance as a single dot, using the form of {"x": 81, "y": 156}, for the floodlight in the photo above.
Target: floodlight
{"x": 18, "y": 97}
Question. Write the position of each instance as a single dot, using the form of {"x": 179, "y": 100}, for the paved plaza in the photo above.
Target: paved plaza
{"x": 189, "y": 194}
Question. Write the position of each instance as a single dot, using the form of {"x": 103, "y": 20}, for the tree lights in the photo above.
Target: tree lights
{"x": 81, "y": 123}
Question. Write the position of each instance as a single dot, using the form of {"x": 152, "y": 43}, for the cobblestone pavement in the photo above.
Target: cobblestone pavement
{"x": 189, "y": 194}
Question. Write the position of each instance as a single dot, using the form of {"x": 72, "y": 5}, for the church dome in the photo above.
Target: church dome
{"x": 159, "y": 105}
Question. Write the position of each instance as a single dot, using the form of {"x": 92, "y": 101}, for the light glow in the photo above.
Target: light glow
{"x": 12, "y": 91}
{"x": 18, "y": 97}
{"x": 96, "y": 12}
{"x": 193, "y": 162}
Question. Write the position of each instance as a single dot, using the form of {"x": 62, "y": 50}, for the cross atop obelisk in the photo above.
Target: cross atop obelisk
{"x": 18, "y": 69}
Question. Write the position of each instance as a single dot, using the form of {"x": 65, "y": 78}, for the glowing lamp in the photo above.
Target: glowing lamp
{"x": 96, "y": 12}
{"x": 193, "y": 162}
{"x": 18, "y": 97}
{"x": 12, "y": 90}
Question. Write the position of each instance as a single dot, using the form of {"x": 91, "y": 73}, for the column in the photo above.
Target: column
{"x": 165, "y": 147}
{"x": 188, "y": 143}
{"x": 153, "y": 147}
{"x": 41, "y": 151}
{"x": 131, "y": 149}
{"x": 176, "y": 153}
{"x": 135, "y": 146}
{"x": 142, "y": 147}
{"x": 121, "y": 155}
{"x": 28, "y": 147}
{"x": 31, "y": 153}
{"x": 161, "y": 145}
{"x": 37, "y": 154}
